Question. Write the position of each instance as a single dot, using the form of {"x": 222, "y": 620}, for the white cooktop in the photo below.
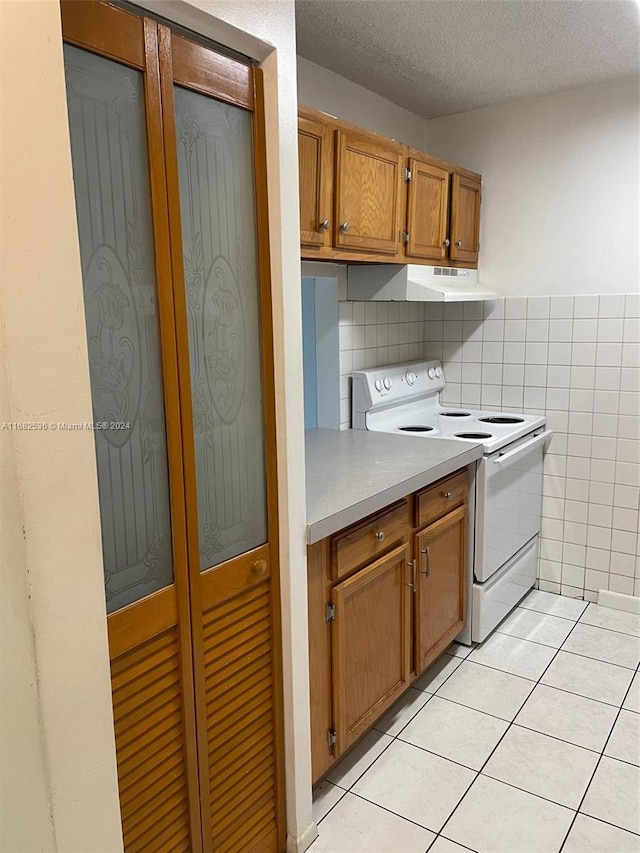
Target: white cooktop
{"x": 404, "y": 399}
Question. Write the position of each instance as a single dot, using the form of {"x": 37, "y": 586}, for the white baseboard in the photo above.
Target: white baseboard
{"x": 619, "y": 601}
{"x": 303, "y": 841}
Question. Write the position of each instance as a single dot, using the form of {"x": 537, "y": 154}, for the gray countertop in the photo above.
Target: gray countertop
{"x": 353, "y": 473}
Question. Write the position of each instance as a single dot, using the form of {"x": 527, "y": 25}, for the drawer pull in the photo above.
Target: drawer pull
{"x": 447, "y": 495}
{"x": 380, "y": 535}
{"x": 413, "y": 585}
{"x": 427, "y": 572}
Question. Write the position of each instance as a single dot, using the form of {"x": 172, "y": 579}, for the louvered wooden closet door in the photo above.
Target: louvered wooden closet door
{"x": 216, "y": 179}
{"x": 113, "y": 95}
{"x": 168, "y": 153}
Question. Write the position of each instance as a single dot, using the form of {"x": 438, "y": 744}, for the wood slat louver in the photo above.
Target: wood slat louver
{"x": 149, "y": 728}
{"x": 240, "y": 719}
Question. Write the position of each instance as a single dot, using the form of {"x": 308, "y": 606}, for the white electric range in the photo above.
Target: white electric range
{"x": 506, "y": 489}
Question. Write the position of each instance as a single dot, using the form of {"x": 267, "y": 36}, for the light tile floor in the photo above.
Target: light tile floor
{"x": 529, "y": 743}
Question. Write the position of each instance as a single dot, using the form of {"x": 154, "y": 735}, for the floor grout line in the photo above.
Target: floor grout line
{"x": 545, "y": 613}
{"x": 538, "y": 642}
{"x": 542, "y": 613}
{"x": 395, "y": 814}
{"x": 595, "y": 770}
{"x": 440, "y": 835}
{"x": 579, "y": 621}
{"x": 555, "y": 737}
{"x": 610, "y": 630}
{"x": 477, "y": 710}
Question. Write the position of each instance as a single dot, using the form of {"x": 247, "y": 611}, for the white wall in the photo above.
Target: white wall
{"x": 25, "y": 819}
{"x": 60, "y": 561}
{"x": 326, "y": 91}
{"x": 47, "y": 367}
{"x": 560, "y": 188}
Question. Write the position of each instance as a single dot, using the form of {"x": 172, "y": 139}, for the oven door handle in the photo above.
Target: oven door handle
{"x": 505, "y": 459}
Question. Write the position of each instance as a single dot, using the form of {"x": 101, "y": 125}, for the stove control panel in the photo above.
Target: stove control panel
{"x": 380, "y": 387}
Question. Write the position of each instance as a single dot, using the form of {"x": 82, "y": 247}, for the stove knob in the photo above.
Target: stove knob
{"x": 432, "y": 373}
{"x": 439, "y": 372}
{"x": 410, "y": 376}
{"x": 378, "y": 384}
{"x": 387, "y": 383}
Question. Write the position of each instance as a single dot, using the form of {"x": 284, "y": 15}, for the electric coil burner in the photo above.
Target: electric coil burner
{"x": 506, "y": 496}
{"x": 501, "y": 419}
{"x": 476, "y": 436}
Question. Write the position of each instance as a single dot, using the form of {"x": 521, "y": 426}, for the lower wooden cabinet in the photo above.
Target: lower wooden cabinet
{"x": 440, "y": 589}
{"x": 370, "y": 648}
{"x": 378, "y": 621}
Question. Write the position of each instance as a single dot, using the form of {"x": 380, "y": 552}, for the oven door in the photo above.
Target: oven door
{"x": 508, "y": 502}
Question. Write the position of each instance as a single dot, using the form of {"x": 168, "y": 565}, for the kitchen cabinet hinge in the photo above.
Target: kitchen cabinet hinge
{"x": 407, "y": 175}
{"x": 405, "y": 237}
{"x": 331, "y": 612}
{"x": 331, "y": 738}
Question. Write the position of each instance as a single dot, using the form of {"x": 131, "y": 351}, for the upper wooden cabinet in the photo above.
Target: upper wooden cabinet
{"x": 367, "y": 193}
{"x": 364, "y": 197}
{"x": 465, "y": 218}
{"x": 443, "y": 213}
{"x": 427, "y": 211}
{"x": 315, "y": 173}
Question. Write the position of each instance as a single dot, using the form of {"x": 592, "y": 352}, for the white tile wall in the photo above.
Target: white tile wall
{"x": 377, "y": 333}
{"x": 575, "y": 359}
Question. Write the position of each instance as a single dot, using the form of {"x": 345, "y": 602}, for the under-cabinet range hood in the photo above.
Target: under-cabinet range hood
{"x": 414, "y": 283}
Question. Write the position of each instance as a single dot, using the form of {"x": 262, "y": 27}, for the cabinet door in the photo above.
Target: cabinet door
{"x": 370, "y": 644}
{"x": 368, "y": 189}
{"x": 315, "y": 173}
{"x": 441, "y": 588}
{"x": 465, "y": 219}
{"x": 427, "y": 211}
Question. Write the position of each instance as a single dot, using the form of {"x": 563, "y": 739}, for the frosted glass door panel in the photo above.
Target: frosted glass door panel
{"x": 217, "y": 207}
{"x": 111, "y": 176}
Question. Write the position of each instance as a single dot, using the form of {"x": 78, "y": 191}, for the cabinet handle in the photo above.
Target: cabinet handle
{"x": 344, "y": 227}
{"x": 413, "y": 584}
{"x": 458, "y": 244}
{"x": 324, "y": 225}
{"x": 447, "y": 242}
{"x": 427, "y": 553}
{"x": 260, "y": 568}
{"x": 380, "y": 535}
{"x": 447, "y": 495}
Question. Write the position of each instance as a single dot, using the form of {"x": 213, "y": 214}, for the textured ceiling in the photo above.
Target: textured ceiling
{"x": 438, "y": 57}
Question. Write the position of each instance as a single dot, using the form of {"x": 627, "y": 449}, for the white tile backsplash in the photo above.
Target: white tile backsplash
{"x": 575, "y": 359}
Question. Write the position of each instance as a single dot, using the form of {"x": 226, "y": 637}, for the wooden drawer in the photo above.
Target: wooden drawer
{"x": 358, "y": 545}
{"x": 443, "y": 496}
